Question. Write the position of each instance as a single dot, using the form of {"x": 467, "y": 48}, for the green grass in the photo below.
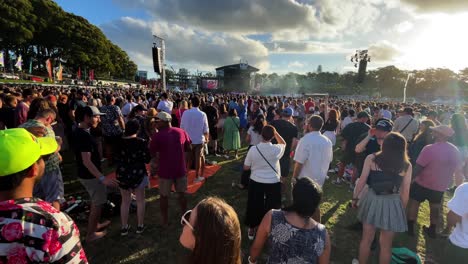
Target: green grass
{"x": 158, "y": 245}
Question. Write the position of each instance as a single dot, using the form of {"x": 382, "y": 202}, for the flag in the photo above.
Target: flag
{"x": 2, "y": 62}
{"x": 59, "y": 73}
{"x": 91, "y": 75}
{"x": 78, "y": 75}
{"x": 30, "y": 66}
{"x": 19, "y": 63}
{"x": 49, "y": 68}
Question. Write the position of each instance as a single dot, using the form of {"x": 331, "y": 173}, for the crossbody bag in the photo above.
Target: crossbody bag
{"x": 261, "y": 154}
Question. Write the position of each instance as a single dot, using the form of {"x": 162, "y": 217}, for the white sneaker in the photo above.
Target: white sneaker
{"x": 199, "y": 179}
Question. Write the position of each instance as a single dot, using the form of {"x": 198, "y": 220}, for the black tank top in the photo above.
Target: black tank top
{"x": 384, "y": 183}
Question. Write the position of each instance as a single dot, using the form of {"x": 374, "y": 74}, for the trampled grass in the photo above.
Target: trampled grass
{"x": 158, "y": 245}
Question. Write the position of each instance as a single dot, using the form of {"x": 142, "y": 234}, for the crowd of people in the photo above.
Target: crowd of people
{"x": 394, "y": 156}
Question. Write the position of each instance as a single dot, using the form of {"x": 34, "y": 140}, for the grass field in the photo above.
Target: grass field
{"x": 158, "y": 245}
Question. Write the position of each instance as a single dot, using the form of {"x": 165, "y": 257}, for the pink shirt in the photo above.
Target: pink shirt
{"x": 440, "y": 161}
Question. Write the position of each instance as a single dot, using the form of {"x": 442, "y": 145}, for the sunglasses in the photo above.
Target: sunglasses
{"x": 185, "y": 220}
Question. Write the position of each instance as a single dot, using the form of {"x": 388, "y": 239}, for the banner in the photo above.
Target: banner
{"x": 60, "y": 73}
{"x": 49, "y": 68}
{"x": 209, "y": 84}
{"x": 30, "y": 66}
{"x": 91, "y": 75}
{"x": 19, "y": 63}
{"x": 2, "y": 61}
{"x": 78, "y": 75}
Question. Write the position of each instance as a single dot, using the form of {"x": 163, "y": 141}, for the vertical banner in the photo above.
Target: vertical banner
{"x": 19, "y": 63}
{"x": 2, "y": 61}
{"x": 60, "y": 73}
{"x": 91, "y": 75}
{"x": 85, "y": 77}
{"x": 49, "y": 68}
{"x": 78, "y": 75}
{"x": 30, "y": 65}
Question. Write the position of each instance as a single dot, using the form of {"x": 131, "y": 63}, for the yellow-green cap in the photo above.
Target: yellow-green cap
{"x": 20, "y": 149}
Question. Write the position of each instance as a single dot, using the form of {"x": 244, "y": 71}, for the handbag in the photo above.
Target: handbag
{"x": 261, "y": 154}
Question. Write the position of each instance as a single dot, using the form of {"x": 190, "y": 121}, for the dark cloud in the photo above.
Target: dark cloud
{"x": 184, "y": 45}
{"x": 446, "y": 6}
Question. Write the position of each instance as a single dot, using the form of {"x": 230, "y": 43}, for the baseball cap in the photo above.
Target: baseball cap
{"x": 21, "y": 149}
{"x": 444, "y": 130}
{"x": 92, "y": 111}
{"x": 384, "y": 125}
{"x": 164, "y": 116}
{"x": 287, "y": 112}
{"x": 211, "y": 99}
{"x": 363, "y": 114}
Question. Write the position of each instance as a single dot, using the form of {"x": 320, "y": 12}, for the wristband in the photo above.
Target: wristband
{"x": 102, "y": 178}
{"x": 250, "y": 262}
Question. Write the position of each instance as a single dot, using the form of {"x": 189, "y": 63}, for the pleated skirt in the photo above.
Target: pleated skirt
{"x": 385, "y": 212}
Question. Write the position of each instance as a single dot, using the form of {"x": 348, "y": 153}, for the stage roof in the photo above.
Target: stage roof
{"x": 237, "y": 67}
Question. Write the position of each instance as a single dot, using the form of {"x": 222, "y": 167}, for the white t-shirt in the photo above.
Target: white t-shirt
{"x": 315, "y": 152}
{"x": 346, "y": 121}
{"x": 386, "y": 114}
{"x": 261, "y": 171}
{"x": 459, "y": 236}
{"x": 255, "y": 138}
{"x": 165, "y": 106}
{"x": 127, "y": 108}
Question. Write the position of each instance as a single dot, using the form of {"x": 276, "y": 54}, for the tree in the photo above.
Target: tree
{"x": 40, "y": 29}
{"x": 319, "y": 69}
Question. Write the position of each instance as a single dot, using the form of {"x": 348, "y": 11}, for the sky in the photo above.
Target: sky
{"x": 285, "y": 35}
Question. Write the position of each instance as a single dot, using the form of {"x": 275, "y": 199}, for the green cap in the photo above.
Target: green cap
{"x": 20, "y": 149}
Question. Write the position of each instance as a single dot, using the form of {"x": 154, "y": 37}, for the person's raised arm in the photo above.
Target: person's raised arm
{"x": 362, "y": 145}
{"x": 279, "y": 138}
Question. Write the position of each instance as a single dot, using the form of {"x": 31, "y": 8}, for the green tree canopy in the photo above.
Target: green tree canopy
{"x": 40, "y": 29}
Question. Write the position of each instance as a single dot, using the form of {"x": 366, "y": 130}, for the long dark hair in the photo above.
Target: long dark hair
{"x": 458, "y": 124}
{"x": 259, "y": 124}
{"x": 393, "y": 158}
{"x": 38, "y": 105}
{"x": 307, "y": 195}
{"x": 217, "y": 233}
{"x": 425, "y": 134}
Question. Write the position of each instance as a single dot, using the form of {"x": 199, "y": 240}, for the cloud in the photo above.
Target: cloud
{"x": 296, "y": 64}
{"x": 284, "y": 19}
{"x": 404, "y": 27}
{"x": 184, "y": 45}
{"x": 383, "y": 51}
{"x": 445, "y": 6}
{"x": 303, "y": 47}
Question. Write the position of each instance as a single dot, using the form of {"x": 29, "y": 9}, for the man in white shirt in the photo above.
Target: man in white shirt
{"x": 313, "y": 155}
{"x": 195, "y": 123}
{"x": 314, "y": 152}
{"x": 457, "y": 251}
{"x": 127, "y": 108}
{"x": 385, "y": 113}
{"x": 165, "y": 105}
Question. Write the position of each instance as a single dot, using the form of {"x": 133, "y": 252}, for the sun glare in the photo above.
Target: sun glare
{"x": 443, "y": 43}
